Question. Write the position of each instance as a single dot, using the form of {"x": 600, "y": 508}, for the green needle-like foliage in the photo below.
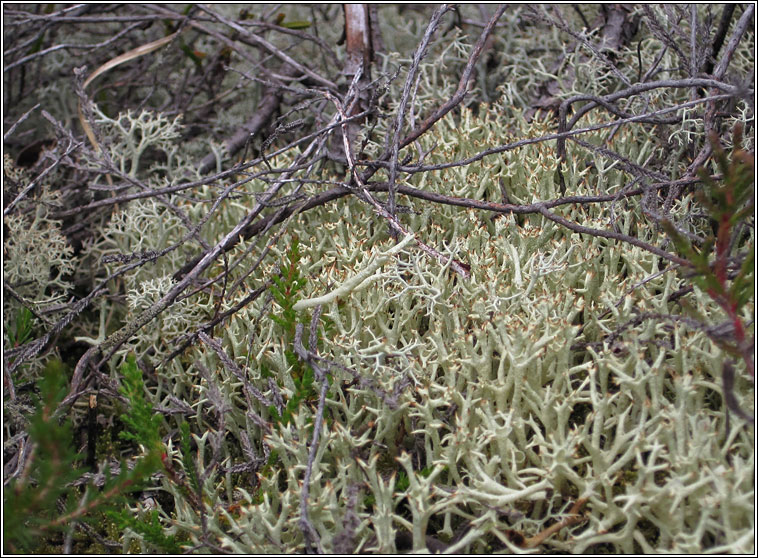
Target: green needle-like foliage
{"x": 143, "y": 427}
{"x": 30, "y": 501}
{"x": 285, "y": 291}
{"x": 729, "y": 203}
{"x": 142, "y": 423}
{"x": 43, "y": 500}
{"x": 148, "y": 525}
{"x": 286, "y": 288}
{"x": 21, "y": 330}
{"x": 187, "y": 458}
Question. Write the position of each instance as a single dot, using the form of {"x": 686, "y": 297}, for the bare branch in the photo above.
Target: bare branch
{"x": 463, "y": 84}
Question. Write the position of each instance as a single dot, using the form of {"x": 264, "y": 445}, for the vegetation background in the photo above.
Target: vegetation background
{"x": 386, "y": 278}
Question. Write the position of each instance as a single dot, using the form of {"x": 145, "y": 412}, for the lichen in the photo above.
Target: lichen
{"x": 509, "y": 423}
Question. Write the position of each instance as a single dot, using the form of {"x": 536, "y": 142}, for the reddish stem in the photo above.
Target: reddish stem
{"x": 722, "y": 247}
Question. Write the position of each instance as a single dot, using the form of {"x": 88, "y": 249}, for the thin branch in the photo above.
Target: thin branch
{"x": 64, "y": 46}
{"x": 418, "y": 55}
{"x": 628, "y": 92}
{"x": 260, "y": 41}
{"x": 463, "y": 84}
{"x": 312, "y": 539}
{"x": 555, "y": 136}
{"x": 23, "y": 117}
{"x": 29, "y": 187}
{"x": 742, "y": 26}
{"x": 718, "y": 39}
{"x": 336, "y": 193}
{"x": 238, "y": 169}
{"x": 394, "y": 223}
{"x": 115, "y": 340}
{"x": 719, "y": 73}
{"x": 614, "y": 235}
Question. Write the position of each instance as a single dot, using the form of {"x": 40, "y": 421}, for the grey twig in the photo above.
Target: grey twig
{"x": 463, "y": 84}
{"x": 32, "y": 183}
{"x": 559, "y": 135}
{"x": 657, "y": 29}
{"x": 418, "y": 55}
{"x": 727, "y": 376}
{"x": 614, "y": 235}
{"x": 718, "y": 40}
{"x": 718, "y": 73}
{"x": 312, "y": 540}
{"x": 23, "y": 117}
{"x": 739, "y": 30}
{"x": 628, "y": 92}
{"x": 395, "y": 225}
{"x": 230, "y": 365}
{"x": 561, "y": 24}
{"x": 238, "y": 169}
{"x": 266, "y": 108}
{"x": 114, "y": 341}
{"x": 260, "y": 41}
{"x": 64, "y": 46}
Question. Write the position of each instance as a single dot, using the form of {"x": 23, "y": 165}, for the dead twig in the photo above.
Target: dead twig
{"x": 312, "y": 540}
{"x": 418, "y": 55}
{"x": 463, "y": 84}
{"x": 614, "y": 235}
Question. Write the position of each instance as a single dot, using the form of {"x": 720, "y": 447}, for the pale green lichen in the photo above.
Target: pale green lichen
{"x": 503, "y": 415}
{"x": 360, "y": 280}
{"x": 129, "y": 134}
{"x": 36, "y": 256}
{"x": 498, "y": 415}
{"x": 38, "y": 260}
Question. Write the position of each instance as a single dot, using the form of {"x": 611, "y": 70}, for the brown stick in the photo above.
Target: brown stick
{"x": 573, "y": 518}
